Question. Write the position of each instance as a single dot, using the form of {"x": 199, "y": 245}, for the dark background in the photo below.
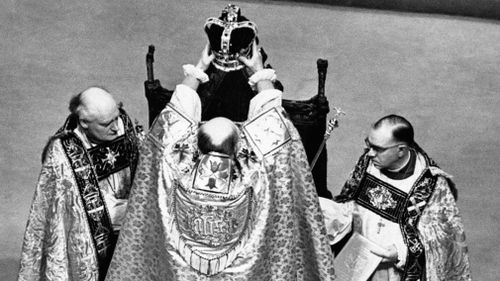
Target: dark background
{"x": 440, "y": 71}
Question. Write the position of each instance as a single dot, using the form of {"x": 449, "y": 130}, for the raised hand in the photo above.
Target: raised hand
{"x": 255, "y": 63}
{"x": 206, "y": 58}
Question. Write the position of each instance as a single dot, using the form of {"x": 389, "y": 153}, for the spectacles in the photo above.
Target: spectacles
{"x": 379, "y": 149}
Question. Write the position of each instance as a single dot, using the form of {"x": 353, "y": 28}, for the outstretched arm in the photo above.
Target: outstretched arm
{"x": 192, "y": 79}
{"x": 185, "y": 96}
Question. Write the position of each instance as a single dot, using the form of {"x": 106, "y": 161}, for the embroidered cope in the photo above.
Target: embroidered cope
{"x": 79, "y": 203}
{"x": 420, "y": 218}
{"x": 211, "y": 217}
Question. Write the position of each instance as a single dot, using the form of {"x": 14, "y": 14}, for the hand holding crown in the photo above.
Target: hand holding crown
{"x": 206, "y": 58}
{"x": 261, "y": 78}
{"x": 255, "y": 63}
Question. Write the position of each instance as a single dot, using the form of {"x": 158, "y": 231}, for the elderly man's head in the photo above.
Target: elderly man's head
{"x": 389, "y": 140}
{"x": 97, "y": 114}
{"x": 218, "y": 135}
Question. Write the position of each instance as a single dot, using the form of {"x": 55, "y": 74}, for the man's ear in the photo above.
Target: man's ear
{"x": 83, "y": 124}
{"x": 402, "y": 150}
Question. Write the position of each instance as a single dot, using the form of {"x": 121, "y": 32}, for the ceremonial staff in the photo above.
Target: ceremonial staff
{"x": 332, "y": 124}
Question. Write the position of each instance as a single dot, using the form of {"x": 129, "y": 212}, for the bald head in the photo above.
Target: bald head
{"x": 218, "y": 135}
{"x": 400, "y": 129}
{"x": 97, "y": 113}
{"x": 92, "y": 103}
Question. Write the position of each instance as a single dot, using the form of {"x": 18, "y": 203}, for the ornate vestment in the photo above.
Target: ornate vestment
{"x": 426, "y": 217}
{"x": 210, "y": 217}
{"x": 70, "y": 233}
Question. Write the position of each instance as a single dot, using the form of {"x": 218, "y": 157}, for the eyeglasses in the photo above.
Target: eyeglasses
{"x": 379, "y": 149}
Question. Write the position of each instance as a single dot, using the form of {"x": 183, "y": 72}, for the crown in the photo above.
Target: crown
{"x": 230, "y": 35}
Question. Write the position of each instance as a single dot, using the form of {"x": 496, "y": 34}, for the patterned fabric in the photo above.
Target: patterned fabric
{"x": 443, "y": 234}
{"x": 381, "y": 198}
{"x": 415, "y": 261}
{"x": 285, "y": 236}
{"x": 112, "y": 157}
{"x": 431, "y": 226}
{"x": 267, "y": 132}
{"x": 95, "y": 207}
{"x": 61, "y": 238}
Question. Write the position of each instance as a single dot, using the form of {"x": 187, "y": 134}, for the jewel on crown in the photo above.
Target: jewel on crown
{"x": 230, "y": 35}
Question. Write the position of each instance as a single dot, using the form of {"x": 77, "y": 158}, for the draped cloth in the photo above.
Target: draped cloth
{"x": 69, "y": 234}
{"x": 429, "y": 221}
{"x": 259, "y": 221}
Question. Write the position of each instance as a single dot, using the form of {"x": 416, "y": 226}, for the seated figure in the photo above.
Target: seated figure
{"x": 228, "y": 94}
{"x": 220, "y": 200}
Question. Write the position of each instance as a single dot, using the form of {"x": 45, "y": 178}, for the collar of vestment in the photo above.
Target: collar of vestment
{"x": 395, "y": 205}
{"x": 405, "y": 172}
{"x": 91, "y": 165}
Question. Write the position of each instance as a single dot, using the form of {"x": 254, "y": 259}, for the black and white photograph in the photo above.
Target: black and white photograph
{"x": 308, "y": 140}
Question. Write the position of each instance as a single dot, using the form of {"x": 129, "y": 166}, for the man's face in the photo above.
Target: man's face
{"x": 103, "y": 128}
{"x": 382, "y": 148}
